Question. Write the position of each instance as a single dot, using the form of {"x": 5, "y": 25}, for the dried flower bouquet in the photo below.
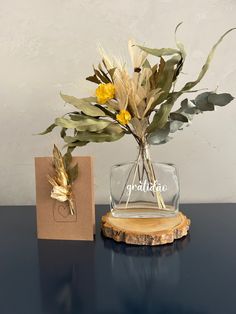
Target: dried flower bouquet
{"x": 139, "y": 103}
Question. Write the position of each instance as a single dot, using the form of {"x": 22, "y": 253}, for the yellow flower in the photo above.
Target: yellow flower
{"x": 105, "y": 92}
{"x": 123, "y": 117}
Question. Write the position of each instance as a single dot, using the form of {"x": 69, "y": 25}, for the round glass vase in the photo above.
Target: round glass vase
{"x": 144, "y": 189}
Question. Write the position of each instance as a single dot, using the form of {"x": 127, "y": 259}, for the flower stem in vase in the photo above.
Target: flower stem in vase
{"x": 152, "y": 178}
{"x": 142, "y": 170}
{"x": 135, "y": 174}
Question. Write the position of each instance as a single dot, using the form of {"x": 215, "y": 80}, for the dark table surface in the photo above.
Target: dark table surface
{"x": 196, "y": 274}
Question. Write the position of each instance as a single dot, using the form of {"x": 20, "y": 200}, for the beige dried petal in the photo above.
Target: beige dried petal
{"x": 59, "y": 193}
{"x": 137, "y": 55}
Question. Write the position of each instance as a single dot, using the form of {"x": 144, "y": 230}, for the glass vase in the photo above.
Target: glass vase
{"x": 143, "y": 188}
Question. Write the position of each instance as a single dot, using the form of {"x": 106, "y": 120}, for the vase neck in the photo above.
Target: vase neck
{"x": 144, "y": 150}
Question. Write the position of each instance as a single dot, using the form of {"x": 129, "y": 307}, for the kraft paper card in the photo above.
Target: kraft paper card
{"x": 54, "y": 220}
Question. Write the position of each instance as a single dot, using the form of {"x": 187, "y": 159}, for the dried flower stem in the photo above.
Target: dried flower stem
{"x": 61, "y": 182}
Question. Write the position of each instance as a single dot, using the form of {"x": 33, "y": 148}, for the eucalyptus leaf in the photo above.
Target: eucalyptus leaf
{"x": 167, "y": 106}
{"x": 73, "y": 173}
{"x": 202, "y": 99}
{"x": 161, "y": 116}
{"x": 220, "y": 99}
{"x": 178, "y": 116}
{"x": 205, "y": 67}
{"x": 160, "y": 70}
{"x": 176, "y": 125}
{"x": 66, "y": 123}
{"x": 202, "y": 102}
{"x": 107, "y": 112}
{"x": 48, "y": 130}
{"x": 112, "y": 133}
{"x": 63, "y": 132}
{"x": 180, "y": 46}
{"x": 166, "y": 78}
{"x": 75, "y": 143}
{"x": 159, "y": 136}
{"x": 207, "y": 106}
{"x": 160, "y": 52}
{"x": 70, "y": 149}
{"x": 67, "y": 158}
{"x": 187, "y": 109}
{"x": 167, "y": 139}
{"x": 153, "y": 79}
{"x": 206, "y": 101}
{"x": 178, "y": 68}
{"x": 84, "y": 105}
{"x": 71, "y": 146}
{"x": 82, "y": 123}
{"x": 151, "y": 100}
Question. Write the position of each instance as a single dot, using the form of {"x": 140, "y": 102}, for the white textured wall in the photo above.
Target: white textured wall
{"x": 49, "y": 46}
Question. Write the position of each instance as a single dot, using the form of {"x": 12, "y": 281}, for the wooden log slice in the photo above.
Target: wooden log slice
{"x": 145, "y": 231}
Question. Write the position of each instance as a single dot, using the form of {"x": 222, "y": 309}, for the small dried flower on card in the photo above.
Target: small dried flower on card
{"x": 63, "y": 178}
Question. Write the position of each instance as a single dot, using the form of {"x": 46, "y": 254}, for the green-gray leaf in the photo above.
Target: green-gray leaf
{"x": 178, "y": 117}
{"x": 220, "y": 99}
{"x": 188, "y": 107}
{"x": 160, "y": 52}
{"x": 107, "y": 112}
{"x": 176, "y": 125}
{"x": 159, "y": 136}
{"x": 71, "y": 145}
{"x": 82, "y": 123}
{"x": 167, "y": 76}
{"x": 84, "y": 105}
{"x": 63, "y": 132}
{"x": 73, "y": 173}
{"x": 48, "y": 130}
{"x": 202, "y": 102}
{"x": 112, "y": 133}
{"x": 163, "y": 113}
{"x": 206, "y": 101}
{"x": 180, "y": 46}
{"x": 205, "y": 67}
{"x": 161, "y": 116}
{"x": 67, "y": 158}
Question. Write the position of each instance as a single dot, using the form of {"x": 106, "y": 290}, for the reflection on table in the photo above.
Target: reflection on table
{"x": 66, "y": 276}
